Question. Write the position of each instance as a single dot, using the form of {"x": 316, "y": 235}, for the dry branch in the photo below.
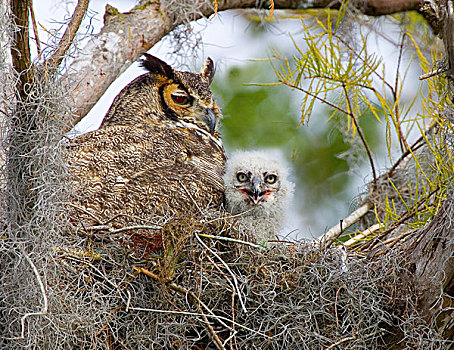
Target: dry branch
{"x": 70, "y": 33}
{"x": 335, "y": 231}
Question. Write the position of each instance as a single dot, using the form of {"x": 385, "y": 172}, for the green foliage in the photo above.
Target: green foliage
{"x": 350, "y": 114}
{"x": 351, "y": 83}
{"x": 257, "y": 116}
{"x": 254, "y": 117}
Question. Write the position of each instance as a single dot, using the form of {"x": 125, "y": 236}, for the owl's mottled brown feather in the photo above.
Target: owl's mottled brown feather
{"x": 151, "y": 157}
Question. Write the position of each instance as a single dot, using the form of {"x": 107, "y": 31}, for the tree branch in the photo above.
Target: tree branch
{"x": 125, "y": 36}
{"x": 20, "y": 53}
{"x": 70, "y": 33}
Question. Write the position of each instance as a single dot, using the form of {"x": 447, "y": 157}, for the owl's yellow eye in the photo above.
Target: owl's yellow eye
{"x": 270, "y": 179}
{"x": 241, "y": 177}
{"x": 180, "y": 97}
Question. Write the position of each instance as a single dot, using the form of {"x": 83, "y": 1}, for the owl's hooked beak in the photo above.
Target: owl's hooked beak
{"x": 210, "y": 120}
{"x": 256, "y": 196}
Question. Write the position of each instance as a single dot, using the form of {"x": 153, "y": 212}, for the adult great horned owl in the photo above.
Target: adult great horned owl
{"x": 157, "y": 153}
{"x": 257, "y": 188}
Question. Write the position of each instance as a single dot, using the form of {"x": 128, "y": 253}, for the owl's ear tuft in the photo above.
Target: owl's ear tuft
{"x": 208, "y": 70}
{"x": 155, "y": 65}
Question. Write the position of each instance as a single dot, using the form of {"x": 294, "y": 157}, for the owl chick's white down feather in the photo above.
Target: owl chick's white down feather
{"x": 258, "y": 189}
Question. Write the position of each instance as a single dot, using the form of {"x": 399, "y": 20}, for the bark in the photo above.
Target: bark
{"x": 430, "y": 259}
{"x": 125, "y": 36}
{"x": 20, "y": 125}
{"x": 21, "y": 54}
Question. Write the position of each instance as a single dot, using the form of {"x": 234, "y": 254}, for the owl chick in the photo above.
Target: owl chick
{"x": 257, "y": 187}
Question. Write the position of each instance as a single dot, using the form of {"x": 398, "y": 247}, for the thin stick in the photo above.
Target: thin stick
{"x": 363, "y": 235}
{"x": 228, "y": 269}
{"x": 190, "y": 196}
{"x": 137, "y": 227}
{"x": 70, "y": 32}
{"x": 126, "y": 228}
{"x": 44, "y": 308}
{"x": 332, "y": 346}
{"x": 35, "y": 31}
{"x": 403, "y": 218}
{"x": 336, "y": 230}
{"x": 94, "y": 268}
{"x": 335, "y": 305}
{"x": 339, "y": 108}
{"x": 379, "y": 76}
{"x": 181, "y": 290}
{"x": 86, "y": 212}
{"x": 185, "y": 291}
{"x": 197, "y": 314}
{"x": 396, "y": 89}
{"x": 234, "y": 240}
{"x": 361, "y": 135}
{"x": 433, "y": 73}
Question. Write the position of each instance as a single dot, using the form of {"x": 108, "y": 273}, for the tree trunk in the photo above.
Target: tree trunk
{"x": 430, "y": 262}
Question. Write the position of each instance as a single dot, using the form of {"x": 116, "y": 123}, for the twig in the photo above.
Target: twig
{"x": 335, "y": 305}
{"x": 379, "y": 76}
{"x": 361, "y": 135}
{"x": 136, "y": 227}
{"x": 81, "y": 253}
{"x": 336, "y": 230}
{"x": 332, "y": 346}
{"x": 198, "y": 302}
{"x": 128, "y": 302}
{"x": 86, "y": 212}
{"x": 95, "y": 269}
{"x": 340, "y": 109}
{"x": 393, "y": 240}
{"x": 44, "y": 308}
{"x": 362, "y": 235}
{"x": 126, "y": 228}
{"x": 395, "y": 90}
{"x": 35, "y": 31}
{"x": 70, "y": 33}
{"x": 228, "y": 269}
{"x": 408, "y": 153}
{"x": 433, "y": 73}
{"x": 217, "y": 317}
{"x": 234, "y": 240}
{"x": 190, "y": 196}
{"x": 403, "y": 218}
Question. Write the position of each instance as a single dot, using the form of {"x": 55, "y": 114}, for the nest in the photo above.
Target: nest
{"x": 202, "y": 293}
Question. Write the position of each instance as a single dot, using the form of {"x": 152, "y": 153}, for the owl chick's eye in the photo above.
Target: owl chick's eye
{"x": 180, "y": 97}
{"x": 241, "y": 177}
{"x": 270, "y": 179}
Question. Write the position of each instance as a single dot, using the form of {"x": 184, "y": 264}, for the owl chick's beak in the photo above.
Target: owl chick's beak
{"x": 210, "y": 119}
{"x": 256, "y": 196}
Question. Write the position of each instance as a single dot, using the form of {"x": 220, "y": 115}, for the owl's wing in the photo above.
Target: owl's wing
{"x": 142, "y": 172}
